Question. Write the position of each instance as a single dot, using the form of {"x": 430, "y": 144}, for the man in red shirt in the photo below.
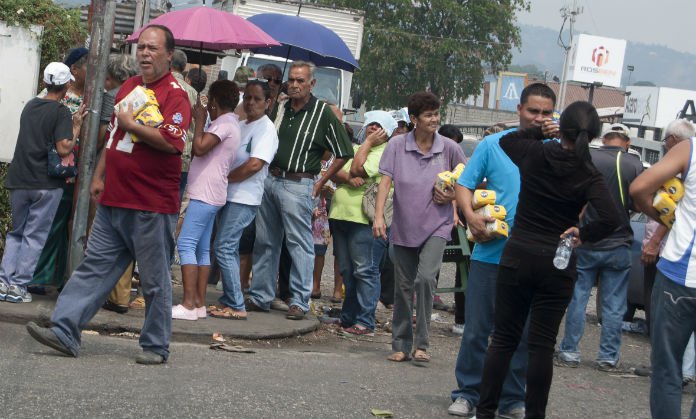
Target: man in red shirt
{"x": 137, "y": 187}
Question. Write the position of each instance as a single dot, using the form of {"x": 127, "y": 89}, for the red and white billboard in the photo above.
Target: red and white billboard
{"x": 597, "y": 59}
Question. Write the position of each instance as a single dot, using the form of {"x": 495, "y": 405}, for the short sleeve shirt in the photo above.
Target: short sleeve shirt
{"x": 347, "y": 200}
{"x": 416, "y": 217}
{"x": 43, "y": 122}
{"x": 305, "y": 135}
{"x": 138, "y": 176}
{"x": 490, "y": 162}
{"x": 259, "y": 140}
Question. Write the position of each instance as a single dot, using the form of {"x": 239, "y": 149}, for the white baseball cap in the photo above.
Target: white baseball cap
{"x": 57, "y": 74}
{"x": 620, "y": 129}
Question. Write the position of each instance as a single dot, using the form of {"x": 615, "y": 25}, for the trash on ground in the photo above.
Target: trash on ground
{"x": 90, "y": 332}
{"x": 381, "y": 413}
{"x": 126, "y": 334}
{"x": 231, "y": 348}
{"x": 329, "y": 320}
{"x": 217, "y": 337}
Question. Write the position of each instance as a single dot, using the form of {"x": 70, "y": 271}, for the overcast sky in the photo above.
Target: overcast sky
{"x": 671, "y": 23}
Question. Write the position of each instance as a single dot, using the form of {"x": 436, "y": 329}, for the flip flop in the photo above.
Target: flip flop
{"x": 213, "y": 307}
{"x": 399, "y": 357}
{"x": 227, "y": 313}
{"x": 419, "y": 355}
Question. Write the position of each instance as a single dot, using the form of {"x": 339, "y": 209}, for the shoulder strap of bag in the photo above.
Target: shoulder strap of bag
{"x": 618, "y": 174}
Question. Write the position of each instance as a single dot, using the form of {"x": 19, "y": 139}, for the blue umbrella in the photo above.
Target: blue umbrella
{"x": 305, "y": 40}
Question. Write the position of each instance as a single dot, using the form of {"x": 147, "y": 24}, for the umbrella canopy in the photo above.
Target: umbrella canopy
{"x": 211, "y": 29}
{"x": 303, "y": 39}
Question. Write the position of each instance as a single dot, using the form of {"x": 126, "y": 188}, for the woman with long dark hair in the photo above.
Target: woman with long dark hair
{"x": 557, "y": 180}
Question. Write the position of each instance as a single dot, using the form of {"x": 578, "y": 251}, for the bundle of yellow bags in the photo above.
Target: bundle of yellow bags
{"x": 145, "y": 107}
{"x": 666, "y": 198}
{"x": 484, "y": 204}
{"x": 447, "y": 179}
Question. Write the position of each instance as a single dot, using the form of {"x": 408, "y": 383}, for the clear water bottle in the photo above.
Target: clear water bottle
{"x": 563, "y": 252}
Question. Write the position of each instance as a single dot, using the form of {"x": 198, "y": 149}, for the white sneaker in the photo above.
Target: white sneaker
{"x": 201, "y": 312}
{"x": 461, "y": 407}
{"x": 17, "y": 294}
{"x": 179, "y": 312}
{"x": 458, "y": 329}
{"x": 4, "y": 289}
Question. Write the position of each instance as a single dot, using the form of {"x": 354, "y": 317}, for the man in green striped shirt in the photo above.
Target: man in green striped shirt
{"x": 308, "y": 133}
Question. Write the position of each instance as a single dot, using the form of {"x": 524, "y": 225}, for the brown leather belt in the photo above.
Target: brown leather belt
{"x": 294, "y": 176}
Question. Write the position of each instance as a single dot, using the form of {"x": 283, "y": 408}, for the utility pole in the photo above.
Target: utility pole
{"x": 568, "y": 13}
{"x": 142, "y": 16}
{"x": 101, "y": 35}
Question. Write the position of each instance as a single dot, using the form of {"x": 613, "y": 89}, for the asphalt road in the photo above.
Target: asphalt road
{"x": 319, "y": 375}
{"x": 316, "y": 376}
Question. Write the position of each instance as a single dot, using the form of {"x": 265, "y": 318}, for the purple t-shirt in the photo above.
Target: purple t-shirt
{"x": 207, "y": 178}
{"x": 416, "y": 216}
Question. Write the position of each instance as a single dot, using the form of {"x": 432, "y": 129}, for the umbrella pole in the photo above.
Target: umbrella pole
{"x": 287, "y": 57}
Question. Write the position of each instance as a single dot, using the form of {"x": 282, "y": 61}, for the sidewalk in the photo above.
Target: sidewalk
{"x": 272, "y": 325}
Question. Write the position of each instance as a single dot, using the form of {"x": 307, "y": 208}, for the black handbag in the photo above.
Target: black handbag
{"x": 61, "y": 167}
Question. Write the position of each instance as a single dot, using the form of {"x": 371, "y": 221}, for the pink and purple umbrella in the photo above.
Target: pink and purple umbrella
{"x": 210, "y": 29}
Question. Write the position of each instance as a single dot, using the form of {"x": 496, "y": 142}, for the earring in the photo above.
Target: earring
{"x": 212, "y": 107}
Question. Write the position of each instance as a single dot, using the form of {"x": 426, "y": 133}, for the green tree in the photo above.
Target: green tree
{"x": 62, "y": 28}
{"x": 445, "y": 46}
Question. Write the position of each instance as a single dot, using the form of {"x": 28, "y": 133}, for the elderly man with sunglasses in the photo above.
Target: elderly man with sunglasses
{"x": 308, "y": 133}
{"x": 608, "y": 259}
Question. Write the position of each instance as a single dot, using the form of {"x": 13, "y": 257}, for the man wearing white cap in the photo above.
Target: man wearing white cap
{"x": 608, "y": 259}
{"x": 34, "y": 194}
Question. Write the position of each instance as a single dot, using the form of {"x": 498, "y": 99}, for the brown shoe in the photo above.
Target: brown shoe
{"x": 250, "y": 305}
{"x": 295, "y": 313}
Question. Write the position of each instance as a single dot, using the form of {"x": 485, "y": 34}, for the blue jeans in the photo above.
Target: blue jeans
{"x": 673, "y": 320}
{"x": 32, "y": 214}
{"x": 195, "y": 234}
{"x": 689, "y": 360}
{"x": 286, "y": 209}
{"x": 612, "y": 267}
{"x": 479, "y": 314}
{"x": 232, "y": 220}
{"x": 118, "y": 237}
{"x": 355, "y": 247}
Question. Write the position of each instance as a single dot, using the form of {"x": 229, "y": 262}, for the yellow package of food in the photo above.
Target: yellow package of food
{"x": 140, "y": 98}
{"x": 457, "y": 171}
{"x": 469, "y": 236}
{"x": 674, "y": 188}
{"x": 483, "y": 197}
{"x": 149, "y": 116}
{"x": 664, "y": 204}
{"x": 498, "y": 228}
{"x": 444, "y": 180}
{"x": 495, "y": 211}
{"x": 668, "y": 219}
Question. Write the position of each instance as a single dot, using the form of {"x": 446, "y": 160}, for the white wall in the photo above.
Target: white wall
{"x": 19, "y": 51}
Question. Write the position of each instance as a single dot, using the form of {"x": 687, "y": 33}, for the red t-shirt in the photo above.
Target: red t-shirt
{"x": 138, "y": 176}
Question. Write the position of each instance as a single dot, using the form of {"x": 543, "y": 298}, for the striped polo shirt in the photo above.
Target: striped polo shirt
{"x": 305, "y": 135}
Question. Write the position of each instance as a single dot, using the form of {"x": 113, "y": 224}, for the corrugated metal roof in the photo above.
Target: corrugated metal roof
{"x": 125, "y": 17}
{"x": 341, "y": 21}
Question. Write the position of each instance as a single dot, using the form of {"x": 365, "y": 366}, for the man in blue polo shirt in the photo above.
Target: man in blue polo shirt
{"x": 490, "y": 164}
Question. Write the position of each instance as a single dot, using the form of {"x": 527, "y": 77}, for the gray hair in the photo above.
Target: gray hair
{"x": 269, "y": 66}
{"x": 121, "y": 67}
{"x": 680, "y": 128}
{"x": 307, "y": 64}
{"x": 179, "y": 60}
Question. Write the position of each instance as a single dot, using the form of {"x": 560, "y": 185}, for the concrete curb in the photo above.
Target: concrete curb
{"x": 271, "y": 325}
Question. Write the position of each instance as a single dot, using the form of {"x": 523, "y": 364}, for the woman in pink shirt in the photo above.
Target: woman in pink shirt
{"x": 214, "y": 151}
